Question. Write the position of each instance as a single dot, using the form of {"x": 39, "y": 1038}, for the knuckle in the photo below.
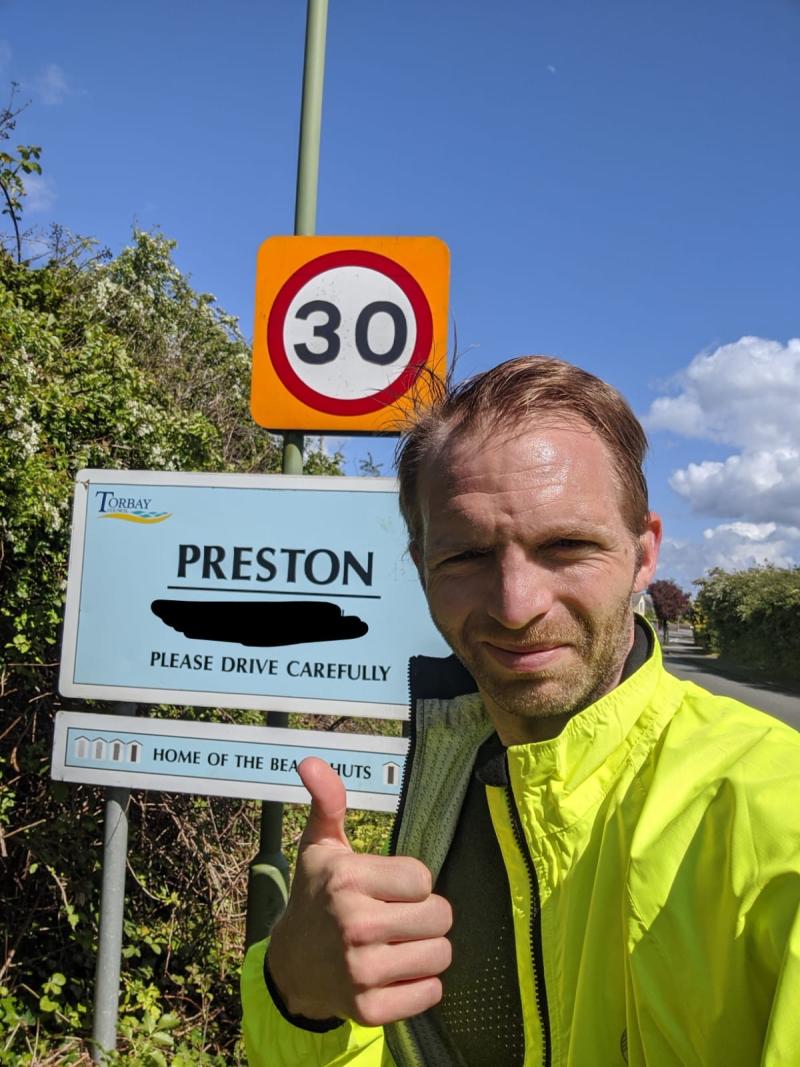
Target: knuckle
{"x": 368, "y": 1010}
{"x": 435, "y": 992}
{"x": 445, "y": 953}
{"x": 444, "y": 912}
{"x": 360, "y": 970}
{"x": 317, "y": 865}
{"x": 422, "y": 875}
{"x": 358, "y": 930}
{"x": 427, "y": 994}
{"x": 344, "y": 874}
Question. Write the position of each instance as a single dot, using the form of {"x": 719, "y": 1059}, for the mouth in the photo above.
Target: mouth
{"x": 528, "y": 658}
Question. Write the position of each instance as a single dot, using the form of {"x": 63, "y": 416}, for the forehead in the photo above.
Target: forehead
{"x": 555, "y": 467}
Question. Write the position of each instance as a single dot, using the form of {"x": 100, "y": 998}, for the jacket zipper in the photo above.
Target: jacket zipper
{"x": 411, "y": 733}
{"x": 412, "y": 742}
{"x": 535, "y": 926}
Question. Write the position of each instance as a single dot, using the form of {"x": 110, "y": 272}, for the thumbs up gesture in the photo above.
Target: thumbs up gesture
{"x": 362, "y": 937}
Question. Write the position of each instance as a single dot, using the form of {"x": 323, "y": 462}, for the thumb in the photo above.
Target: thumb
{"x": 325, "y": 824}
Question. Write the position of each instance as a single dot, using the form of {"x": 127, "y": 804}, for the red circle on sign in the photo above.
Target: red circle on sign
{"x": 362, "y": 405}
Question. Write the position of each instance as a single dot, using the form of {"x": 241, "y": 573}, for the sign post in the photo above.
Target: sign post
{"x": 268, "y": 875}
{"x": 112, "y": 907}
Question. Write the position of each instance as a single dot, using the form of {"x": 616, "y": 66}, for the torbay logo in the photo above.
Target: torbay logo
{"x": 128, "y": 508}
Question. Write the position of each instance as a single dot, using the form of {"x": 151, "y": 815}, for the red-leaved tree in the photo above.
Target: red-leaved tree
{"x": 669, "y": 601}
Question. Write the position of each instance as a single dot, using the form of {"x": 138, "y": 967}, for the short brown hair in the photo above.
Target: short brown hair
{"x": 506, "y": 397}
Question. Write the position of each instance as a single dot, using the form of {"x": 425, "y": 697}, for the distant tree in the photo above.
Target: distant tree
{"x": 669, "y": 601}
{"x": 13, "y": 168}
{"x": 368, "y": 468}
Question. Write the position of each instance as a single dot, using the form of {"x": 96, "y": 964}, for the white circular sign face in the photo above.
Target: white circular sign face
{"x": 349, "y": 332}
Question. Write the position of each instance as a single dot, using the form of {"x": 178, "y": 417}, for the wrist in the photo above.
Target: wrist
{"x": 296, "y": 1018}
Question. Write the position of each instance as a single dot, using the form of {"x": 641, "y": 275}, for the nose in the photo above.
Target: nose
{"x": 522, "y": 590}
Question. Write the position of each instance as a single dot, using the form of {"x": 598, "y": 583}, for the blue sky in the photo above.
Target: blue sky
{"x": 617, "y": 182}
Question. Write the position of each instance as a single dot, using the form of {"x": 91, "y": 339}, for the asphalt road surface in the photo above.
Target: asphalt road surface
{"x": 683, "y": 658}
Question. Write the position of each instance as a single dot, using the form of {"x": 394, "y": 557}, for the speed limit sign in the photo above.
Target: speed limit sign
{"x": 345, "y": 328}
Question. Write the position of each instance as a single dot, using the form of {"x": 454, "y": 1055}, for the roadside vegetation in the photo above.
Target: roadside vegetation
{"x": 752, "y": 618}
{"x": 110, "y": 361}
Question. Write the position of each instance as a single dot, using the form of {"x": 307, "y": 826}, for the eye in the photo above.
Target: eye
{"x": 467, "y": 556}
{"x": 571, "y": 544}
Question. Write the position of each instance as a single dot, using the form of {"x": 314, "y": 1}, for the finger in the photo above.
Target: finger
{"x": 383, "y": 924}
{"x": 328, "y": 804}
{"x": 377, "y": 1007}
{"x": 382, "y": 965}
{"x": 408, "y": 922}
{"x": 393, "y": 878}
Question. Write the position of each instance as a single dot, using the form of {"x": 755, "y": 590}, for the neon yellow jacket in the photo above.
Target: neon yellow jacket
{"x": 663, "y": 828}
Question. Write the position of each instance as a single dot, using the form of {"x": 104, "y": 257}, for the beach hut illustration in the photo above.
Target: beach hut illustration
{"x": 391, "y": 774}
{"x": 100, "y": 750}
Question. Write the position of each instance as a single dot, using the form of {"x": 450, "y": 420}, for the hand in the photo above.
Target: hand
{"x": 362, "y": 937}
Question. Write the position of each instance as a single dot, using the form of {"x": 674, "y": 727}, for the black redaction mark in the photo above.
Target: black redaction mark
{"x": 259, "y": 624}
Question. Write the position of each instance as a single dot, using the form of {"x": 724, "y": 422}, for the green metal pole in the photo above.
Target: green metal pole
{"x": 267, "y": 888}
{"x": 112, "y": 911}
{"x": 305, "y": 211}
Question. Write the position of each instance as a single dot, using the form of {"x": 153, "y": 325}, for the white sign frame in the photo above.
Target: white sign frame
{"x": 255, "y": 738}
{"x": 214, "y": 697}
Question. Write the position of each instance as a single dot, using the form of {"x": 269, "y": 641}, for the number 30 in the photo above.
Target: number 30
{"x": 327, "y": 331}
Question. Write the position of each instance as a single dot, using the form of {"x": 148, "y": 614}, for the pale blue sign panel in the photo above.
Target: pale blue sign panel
{"x": 219, "y": 759}
{"x": 242, "y": 591}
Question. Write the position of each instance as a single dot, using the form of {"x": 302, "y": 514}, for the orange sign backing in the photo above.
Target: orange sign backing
{"x": 345, "y": 329}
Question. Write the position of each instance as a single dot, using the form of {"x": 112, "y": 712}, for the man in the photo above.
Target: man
{"x": 593, "y": 863}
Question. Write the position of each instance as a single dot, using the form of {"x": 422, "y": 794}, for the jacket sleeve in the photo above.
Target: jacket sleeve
{"x": 780, "y": 939}
{"x": 271, "y": 1041}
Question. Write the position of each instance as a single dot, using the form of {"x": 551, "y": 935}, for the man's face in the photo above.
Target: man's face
{"x": 528, "y": 567}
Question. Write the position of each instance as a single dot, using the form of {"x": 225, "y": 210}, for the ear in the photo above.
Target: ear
{"x": 649, "y": 544}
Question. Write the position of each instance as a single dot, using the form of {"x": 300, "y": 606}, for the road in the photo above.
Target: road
{"x": 685, "y": 660}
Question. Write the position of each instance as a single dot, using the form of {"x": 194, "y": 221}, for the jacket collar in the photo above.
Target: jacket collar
{"x": 554, "y": 781}
{"x": 560, "y": 779}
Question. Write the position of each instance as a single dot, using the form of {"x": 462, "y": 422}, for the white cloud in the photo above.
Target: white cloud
{"x": 731, "y": 546}
{"x": 40, "y": 194}
{"x": 52, "y": 85}
{"x": 758, "y": 486}
{"x": 747, "y": 395}
{"x": 734, "y": 545}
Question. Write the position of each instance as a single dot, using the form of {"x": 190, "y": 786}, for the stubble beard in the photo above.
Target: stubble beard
{"x": 599, "y": 654}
